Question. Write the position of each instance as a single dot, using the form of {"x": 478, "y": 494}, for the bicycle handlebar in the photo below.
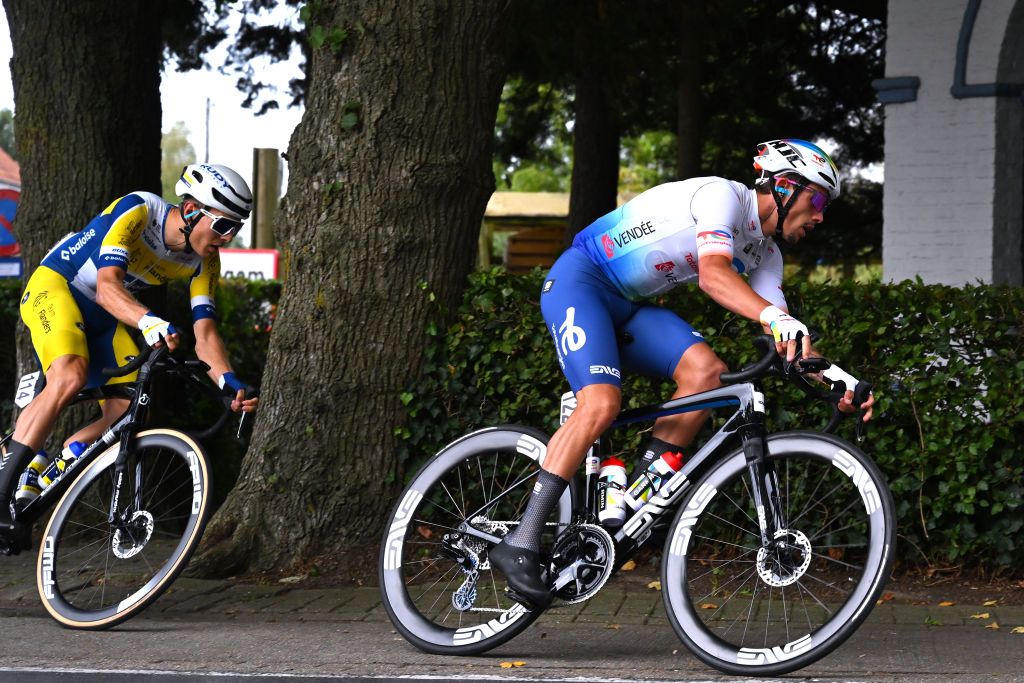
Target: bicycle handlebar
{"x": 772, "y": 364}
{"x": 131, "y": 366}
{"x": 190, "y": 370}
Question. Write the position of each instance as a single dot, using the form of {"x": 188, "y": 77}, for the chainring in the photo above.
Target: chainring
{"x": 582, "y": 559}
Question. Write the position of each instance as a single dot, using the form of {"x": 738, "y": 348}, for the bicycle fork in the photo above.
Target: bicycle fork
{"x": 764, "y": 487}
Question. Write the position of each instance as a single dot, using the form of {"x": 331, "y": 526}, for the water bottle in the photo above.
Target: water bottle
{"x": 28, "y": 484}
{"x": 57, "y": 467}
{"x": 611, "y": 484}
{"x": 651, "y": 480}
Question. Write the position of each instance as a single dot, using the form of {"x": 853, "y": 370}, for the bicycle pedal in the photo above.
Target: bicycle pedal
{"x": 14, "y": 538}
{"x": 526, "y": 602}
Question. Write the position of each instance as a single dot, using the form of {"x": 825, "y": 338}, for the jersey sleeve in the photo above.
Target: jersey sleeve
{"x": 127, "y": 216}
{"x": 715, "y": 208}
{"x": 203, "y": 287}
{"x": 766, "y": 279}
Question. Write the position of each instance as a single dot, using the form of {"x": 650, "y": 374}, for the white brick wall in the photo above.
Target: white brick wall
{"x": 941, "y": 152}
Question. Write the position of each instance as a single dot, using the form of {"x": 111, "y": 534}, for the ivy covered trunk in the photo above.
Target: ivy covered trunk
{"x": 390, "y": 172}
{"x": 86, "y": 76}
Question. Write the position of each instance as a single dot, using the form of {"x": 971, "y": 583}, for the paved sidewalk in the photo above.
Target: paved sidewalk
{"x": 617, "y": 604}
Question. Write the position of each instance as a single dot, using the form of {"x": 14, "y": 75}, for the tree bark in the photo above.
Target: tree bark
{"x": 86, "y": 76}
{"x": 690, "y": 143}
{"x": 390, "y": 172}
{"x": 595, "y": 165}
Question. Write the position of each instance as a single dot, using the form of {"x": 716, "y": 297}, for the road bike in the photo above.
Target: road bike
{"x": 777, "y": 545}
{"x": 128, "y": 512}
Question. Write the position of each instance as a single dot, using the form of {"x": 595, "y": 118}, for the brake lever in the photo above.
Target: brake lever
{"x": 250, "y": 392}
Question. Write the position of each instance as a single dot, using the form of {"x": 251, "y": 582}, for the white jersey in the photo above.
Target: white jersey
{"x": 654, "y": 242}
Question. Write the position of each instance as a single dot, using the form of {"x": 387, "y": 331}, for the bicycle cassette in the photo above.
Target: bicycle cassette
{"x": 582, "y": 560}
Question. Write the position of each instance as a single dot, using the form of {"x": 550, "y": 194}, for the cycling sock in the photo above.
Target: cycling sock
{"x": 655, "y": 447}
{"x": 543, "y": 499}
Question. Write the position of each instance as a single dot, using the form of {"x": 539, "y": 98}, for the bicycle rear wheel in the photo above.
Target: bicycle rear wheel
{"x": 750, "y": 610}
{"x": 93, "y": 574}
{"x": 436, "y": 582}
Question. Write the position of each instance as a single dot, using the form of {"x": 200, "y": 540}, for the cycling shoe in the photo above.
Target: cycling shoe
{"x": 14, "y": 537}
{"x": 521, "y": 568}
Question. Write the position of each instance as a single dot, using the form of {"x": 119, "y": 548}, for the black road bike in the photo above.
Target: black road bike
{"x": 777, "y": 546}
{"x": 128, "y": 512}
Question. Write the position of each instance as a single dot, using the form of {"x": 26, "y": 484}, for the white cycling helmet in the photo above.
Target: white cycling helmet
{"x": 216, "y": 186}
{"x": 797, "y": 156}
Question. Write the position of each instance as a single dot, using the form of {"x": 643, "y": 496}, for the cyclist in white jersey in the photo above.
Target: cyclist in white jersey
{"x": 712, "y": 231}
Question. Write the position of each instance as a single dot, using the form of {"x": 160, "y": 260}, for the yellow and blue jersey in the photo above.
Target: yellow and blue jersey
{"x": 129, "y": 234}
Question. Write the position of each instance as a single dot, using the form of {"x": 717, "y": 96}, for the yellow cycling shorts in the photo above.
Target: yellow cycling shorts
{"x": 64, "y": 322}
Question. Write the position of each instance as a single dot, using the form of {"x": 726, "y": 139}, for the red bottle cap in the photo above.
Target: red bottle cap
{"x": 613, "y": 462}
{"x": 673, "y": 460}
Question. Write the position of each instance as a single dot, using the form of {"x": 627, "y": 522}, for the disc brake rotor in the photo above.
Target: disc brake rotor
{"x": 129, "y": 540}
{"x": 786, "y": 560}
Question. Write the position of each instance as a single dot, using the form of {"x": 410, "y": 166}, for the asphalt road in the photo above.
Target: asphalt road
{"x": 205, "y": 630}
{"x": 269, "y": 644}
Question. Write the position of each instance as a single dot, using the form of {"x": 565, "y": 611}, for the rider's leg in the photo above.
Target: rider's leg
{"x": 64, "y": 377}
{"x": 665, "y": 345}
{"x": 112, "y": 409}
{"x": 517, "y": 555}
{"x": 698, "y": 370}
{"x": 581, "y": 308}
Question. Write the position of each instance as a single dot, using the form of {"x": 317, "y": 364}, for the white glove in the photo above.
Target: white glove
{"x": 154, "y": 329}
{"x": 784, "y": 327}
{"x": 836, "y": 374}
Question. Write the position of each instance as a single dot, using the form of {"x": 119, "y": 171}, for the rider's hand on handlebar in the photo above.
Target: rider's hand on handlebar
{"x": 243, "y": 404}
{"x": 787, "y": 331}
{"x": 157, "y": 331}
{"x": 229, "y": 382}
{"x": 847, "y": 405}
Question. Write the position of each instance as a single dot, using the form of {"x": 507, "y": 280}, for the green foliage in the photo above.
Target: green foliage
{"x": 177, "y": 153}
{"x": 946, "y": 428}
{"x": 7, "y": 133}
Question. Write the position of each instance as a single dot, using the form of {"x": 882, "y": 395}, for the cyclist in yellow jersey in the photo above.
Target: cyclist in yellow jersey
{"x": 78, "y": 302}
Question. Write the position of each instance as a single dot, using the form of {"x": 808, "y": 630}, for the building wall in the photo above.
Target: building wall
{"x": 949, "y": 160}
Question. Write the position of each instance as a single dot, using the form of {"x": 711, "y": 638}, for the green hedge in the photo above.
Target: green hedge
{"x": 943, "y": 360}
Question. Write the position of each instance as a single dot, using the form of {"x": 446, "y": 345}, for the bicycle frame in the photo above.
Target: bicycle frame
{"x": 747, "y": 422}
{"x": 122, "y": 431}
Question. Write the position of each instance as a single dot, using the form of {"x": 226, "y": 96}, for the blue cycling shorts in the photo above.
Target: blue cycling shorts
{"x": 586, "y": 315}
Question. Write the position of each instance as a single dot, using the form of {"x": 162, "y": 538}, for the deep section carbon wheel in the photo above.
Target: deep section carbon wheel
{"x": 436, "y": 581}
{"x": 753, "y": 609}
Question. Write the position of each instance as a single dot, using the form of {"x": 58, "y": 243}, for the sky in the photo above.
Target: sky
{"x": 234, "y": 131}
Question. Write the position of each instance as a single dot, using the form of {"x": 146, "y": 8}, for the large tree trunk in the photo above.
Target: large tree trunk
{"x": 691, "y": 52}
{"x": 86, "y": 76}
{"x": 595, "y": 164}
{"x": 390, "y": 172}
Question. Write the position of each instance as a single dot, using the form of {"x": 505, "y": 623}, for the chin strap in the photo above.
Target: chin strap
{"x": 189, "y": 226}
{"x": 783, "y": 208}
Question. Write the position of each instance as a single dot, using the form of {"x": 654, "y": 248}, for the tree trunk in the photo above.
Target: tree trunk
{"x": 690, "y": 143}
{"x": 595, "y": 165}
{"x": 390, "y": 172}
{"x": 86, "y": 76}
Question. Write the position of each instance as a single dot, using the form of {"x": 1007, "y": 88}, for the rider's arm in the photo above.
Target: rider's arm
{"x": 115, "y": 299}
{"x": 211, "y": 350}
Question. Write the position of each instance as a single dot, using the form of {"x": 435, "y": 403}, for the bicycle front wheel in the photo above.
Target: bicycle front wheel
{"x": 761, "y": 610}
{"x": 435, "y": 580}
{"x": 93, "y": 573}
